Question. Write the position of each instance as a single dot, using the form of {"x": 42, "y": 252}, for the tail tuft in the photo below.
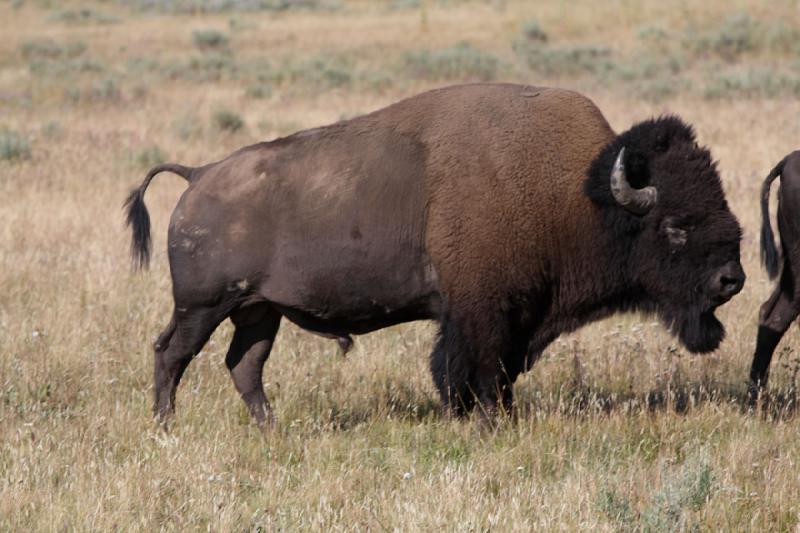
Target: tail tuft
{"x": 138, "y": 219}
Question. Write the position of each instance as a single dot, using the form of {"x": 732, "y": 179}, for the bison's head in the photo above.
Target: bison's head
{"x": 661, "y": 196}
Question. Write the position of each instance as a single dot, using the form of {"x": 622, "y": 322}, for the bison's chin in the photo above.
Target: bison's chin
{"x": 700, "y": 332}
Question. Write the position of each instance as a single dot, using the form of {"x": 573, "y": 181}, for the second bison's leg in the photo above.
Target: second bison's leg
{"x": 777, "y": 314}
{"x": 252, "y": 341}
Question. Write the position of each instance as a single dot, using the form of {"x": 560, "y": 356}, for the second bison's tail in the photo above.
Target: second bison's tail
{"x": 770, "y": 256}
{"x": 139, "y": 219}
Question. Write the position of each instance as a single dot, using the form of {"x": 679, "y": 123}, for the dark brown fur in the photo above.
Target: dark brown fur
{"x": 783, "y": 306}
{"x": 485, "y": 207}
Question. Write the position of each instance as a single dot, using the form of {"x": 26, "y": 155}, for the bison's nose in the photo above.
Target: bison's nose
{"x": 728, "y": 281}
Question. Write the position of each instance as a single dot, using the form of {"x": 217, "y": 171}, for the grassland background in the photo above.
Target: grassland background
{"x": 620, "y": 428}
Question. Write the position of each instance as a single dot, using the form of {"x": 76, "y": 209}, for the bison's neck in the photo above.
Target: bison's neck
{"x": 591, "y": 277}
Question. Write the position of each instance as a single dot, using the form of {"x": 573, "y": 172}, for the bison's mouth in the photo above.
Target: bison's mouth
{"x": 699, "y": 330}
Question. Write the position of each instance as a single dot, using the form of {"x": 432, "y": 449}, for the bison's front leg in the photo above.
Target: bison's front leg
{"x": 452, "y": 372}
{"x": 467, "y": 369}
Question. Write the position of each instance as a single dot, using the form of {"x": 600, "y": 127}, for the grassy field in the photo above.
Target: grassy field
{"x": 619, "y": 429}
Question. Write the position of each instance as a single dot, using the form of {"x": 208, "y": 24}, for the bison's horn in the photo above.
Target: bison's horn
{"x": 638, "y": 201}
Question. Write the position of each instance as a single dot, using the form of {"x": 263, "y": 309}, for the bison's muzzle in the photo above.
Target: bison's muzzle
{"x": 726, "y": 283}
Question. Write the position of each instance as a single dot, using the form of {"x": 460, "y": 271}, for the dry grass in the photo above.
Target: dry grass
{"x": 620, "y": 429}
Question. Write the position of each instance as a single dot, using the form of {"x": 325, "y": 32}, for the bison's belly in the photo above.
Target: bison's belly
{"x": 341, "y": 287}
{"x": 364, "y": 319}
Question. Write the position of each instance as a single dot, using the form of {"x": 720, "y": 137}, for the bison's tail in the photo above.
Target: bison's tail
{"x": 770, "y": 256}
{"x": 139, "y": 219}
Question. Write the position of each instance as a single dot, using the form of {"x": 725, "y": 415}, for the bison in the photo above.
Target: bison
{"x": 509, "y": 214}
{"x": 782, "y": 307}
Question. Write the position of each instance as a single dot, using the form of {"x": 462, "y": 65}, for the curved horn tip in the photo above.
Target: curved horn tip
{"x": 620, "y": 157}
{"x": 638, "y": 201}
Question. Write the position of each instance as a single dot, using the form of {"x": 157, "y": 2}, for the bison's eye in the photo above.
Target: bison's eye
{"x": 676, "y": 234}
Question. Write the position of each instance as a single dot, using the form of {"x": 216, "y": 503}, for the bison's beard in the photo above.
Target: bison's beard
{"x": 699, "y": 331}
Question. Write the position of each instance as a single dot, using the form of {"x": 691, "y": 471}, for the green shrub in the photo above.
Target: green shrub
{"x": 259, "y": 90}
{"x": 218, "y": 6}
{"x": 684, "y": 489}
{"x": 139, "y": 91}
{"x": 53, "y": 130}
{"x": 13, "y": 146}
{"x": 83, "y": 16}
{"x": 64, "y": 67}
{"x": 532, "y": 32}
{"x": 739, "y": 34}
{"x": 569, "y": 60}
{"x": 226, "y": 120}
{"x": 400, "y": 5}
{"x": 150, "y": 156}
{"x": 655, "y": 41}
{"x": 138, "y": 65}
{"x": 752, "y": 82}
{"x": 329, "y": 75}
{"x": 652, "y": 34}
{"x": 782, "y": 38}
{"x": 375, "y": 80}
{"x": 642, "y": 68}
{"x": 209, "y": 39}
{"x": 44, "y": 49}
{"x": 322, "y": 72}
{"x": 461, "y": 62}
{"x": 616, "y": 507}
{"x": 73, "y": 94}
{"x": 187, "y": 126}
{"x": 662, "y": 87}
{"x": 237, "y": 24}
{"x": 681, "y": 492}
{"x": 259, "y": 77}
{"x": 214, "y": 66}
{"x": 106, "y": 89}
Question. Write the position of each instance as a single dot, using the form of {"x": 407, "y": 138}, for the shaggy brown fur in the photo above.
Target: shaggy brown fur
{"x": 485, "y": 207}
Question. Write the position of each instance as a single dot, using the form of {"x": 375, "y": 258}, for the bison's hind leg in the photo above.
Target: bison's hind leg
{"x": 255, "y": 332}
{"x": 777, "y": 314}
{"x": 183, "y": 338}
